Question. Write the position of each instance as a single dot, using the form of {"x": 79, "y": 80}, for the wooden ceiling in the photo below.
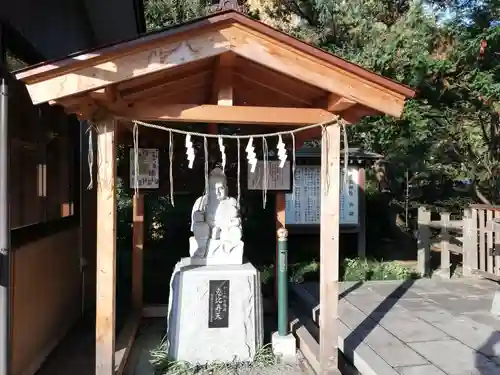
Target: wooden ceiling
{"x": 225, "y": 68}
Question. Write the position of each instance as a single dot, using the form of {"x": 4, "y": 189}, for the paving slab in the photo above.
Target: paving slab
{"x": 422, "y": 327}
{"x": 420, "y": 370}
{"x": 455, "y": 358}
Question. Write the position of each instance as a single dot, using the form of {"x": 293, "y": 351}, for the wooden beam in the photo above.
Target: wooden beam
{"x": 354, "y": 114}
{"x": 335, "y": 103}
{"x": 230, "y": 115}
{"x": 194, "y": 80}
{"x": 106, "y": 249}
{"x": 306, "y": 68}
{"x": 137, "y": 251}
{"x": 329, "y": 248}
{"x": 222, "y": 86}
{"x": 293, "y": 97}
{"x": 129, "y": 66}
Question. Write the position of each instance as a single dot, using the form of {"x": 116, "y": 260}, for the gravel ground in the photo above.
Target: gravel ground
{"x": 150, "y": 335}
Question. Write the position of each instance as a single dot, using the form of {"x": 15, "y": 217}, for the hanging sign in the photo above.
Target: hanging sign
{"x": 278, "y": 179}
{"x": 148, "y": 174}
{"x": 303, "y": 206}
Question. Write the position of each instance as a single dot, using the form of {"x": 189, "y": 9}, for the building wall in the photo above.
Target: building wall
{"x": 45, "y": 227}
{"x": 57, "y": 28}
{"x": 54, "y": 27}
{"x": 46, "y": 298}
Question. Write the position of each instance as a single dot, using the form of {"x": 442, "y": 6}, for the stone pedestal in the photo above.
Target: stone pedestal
{"x": 215, "y": 312}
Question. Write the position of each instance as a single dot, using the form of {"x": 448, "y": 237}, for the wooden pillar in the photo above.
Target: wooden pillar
{"x": 280, "y": 223}
{"x": 138, "y": 251}
{"x": 361, "y": 214}
{"x": 329, "y": 248}
{"x": 106, "y": 249}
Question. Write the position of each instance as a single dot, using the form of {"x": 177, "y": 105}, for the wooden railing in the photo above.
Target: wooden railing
{"x": 469, "y": 237}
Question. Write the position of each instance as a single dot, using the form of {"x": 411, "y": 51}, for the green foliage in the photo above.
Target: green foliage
{"x": 364, "y": 270}
{"x": 355, "y": 269}
{"x": 161, "y": 13}
{"x": 451, "y": 130}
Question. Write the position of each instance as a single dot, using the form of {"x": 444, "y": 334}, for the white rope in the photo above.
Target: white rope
{"x": 324, "y": 138}
{"x": 231, "y": 136}
{"x": 90, "y": 158}
{"x": 205, "y": 148}
{"x": 346, "y": 154}
{"x": 293, "y": 166}
{"x": 239, "y": 172}
{"x": 136, "y": 158}
{"x": 171, "y": 163}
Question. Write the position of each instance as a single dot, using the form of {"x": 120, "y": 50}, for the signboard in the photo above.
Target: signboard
{"x": 278, "y": 179}
{"x": 304, "y": 204}
{"x": 148, "y": 176}
{"x": 218, "y": 304}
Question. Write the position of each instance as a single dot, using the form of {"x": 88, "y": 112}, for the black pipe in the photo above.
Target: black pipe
{"x": 5, "y": 266}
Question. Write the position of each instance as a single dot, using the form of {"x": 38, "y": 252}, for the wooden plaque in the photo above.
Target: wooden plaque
{"x": 148, "y": 176}
{"x": 278, "y": 179}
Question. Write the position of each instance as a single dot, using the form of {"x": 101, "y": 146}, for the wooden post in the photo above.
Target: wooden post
{"x": 280, "y": 223}
{"x": 497, "y": 246}
{"x": 361, "y": 214}
{"x": 482, "y": 240}
{"x": 489, "y": 243}
{"x": 329, "y": 248}
{"x": 106, "y": 249}
{"x": 137, "y": 251}
{"x": 445, "y": 244}
{"x": 470, "y": 241}
{"x": 423, "y": 244}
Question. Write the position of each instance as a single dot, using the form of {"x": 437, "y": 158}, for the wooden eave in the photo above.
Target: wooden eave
{"x": 177, "y": 66}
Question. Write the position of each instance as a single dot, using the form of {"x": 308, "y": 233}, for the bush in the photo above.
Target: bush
{"x": 363, "y": 270}
{"x": 353, "y": 270}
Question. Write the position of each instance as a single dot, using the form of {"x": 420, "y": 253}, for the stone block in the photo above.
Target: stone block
{"x": 215, "y": 313}
{"x": 284, "y": 347}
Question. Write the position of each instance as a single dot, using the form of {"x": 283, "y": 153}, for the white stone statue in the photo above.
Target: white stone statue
{"x": 216, "y": 225}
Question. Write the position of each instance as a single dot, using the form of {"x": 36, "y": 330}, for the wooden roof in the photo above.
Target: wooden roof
{"x": 213, "y": 69}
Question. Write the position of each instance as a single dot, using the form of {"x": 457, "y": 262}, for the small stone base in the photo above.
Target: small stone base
{"x": 285, "y": 347}
{"x": 215, "y": 313}
{"x": 495, "y": 306}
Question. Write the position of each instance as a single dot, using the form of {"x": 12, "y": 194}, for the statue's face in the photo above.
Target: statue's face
{"x": 220, "y": 190}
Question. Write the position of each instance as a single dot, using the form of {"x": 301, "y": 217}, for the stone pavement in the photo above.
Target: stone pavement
{"x": 421, "y": 327}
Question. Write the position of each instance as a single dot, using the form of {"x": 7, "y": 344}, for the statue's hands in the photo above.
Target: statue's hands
{"x": 236, "y": 222}
{"x": 199, "y": 217}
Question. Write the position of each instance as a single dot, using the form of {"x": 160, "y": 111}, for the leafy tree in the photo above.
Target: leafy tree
{"x": 162, "y": 13}
{"x": 451, "y": 130}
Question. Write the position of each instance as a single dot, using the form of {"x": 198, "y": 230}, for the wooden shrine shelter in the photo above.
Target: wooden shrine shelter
{"x": 225, "y": 68}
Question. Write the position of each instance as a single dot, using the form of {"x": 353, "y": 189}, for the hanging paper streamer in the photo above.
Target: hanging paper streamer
{"x": 251, "y": 155}
{"x": 205, "y": 149}
{"x": 265, "y": 156}
{"x": 90, "y": 159}
{"x": 189, "y": 151}
{"x": 136, "y": 158}
{"x": 239, "y": 172}
{"x": 281, "y": 151}
{"x": 223, "y": 153}
{"x": 171, "y": 166}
